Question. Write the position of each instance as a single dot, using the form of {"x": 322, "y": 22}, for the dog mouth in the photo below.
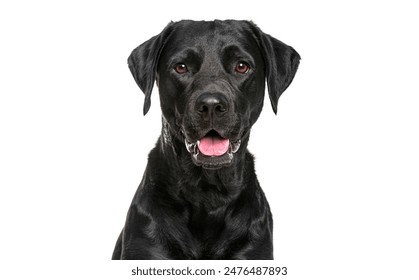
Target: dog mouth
{"x": 212, "y": 151}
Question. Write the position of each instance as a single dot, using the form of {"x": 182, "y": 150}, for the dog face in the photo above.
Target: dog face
{"x": 211, "y": 79}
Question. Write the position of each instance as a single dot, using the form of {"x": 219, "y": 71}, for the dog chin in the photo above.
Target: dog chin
{"x": 212, "y": 162}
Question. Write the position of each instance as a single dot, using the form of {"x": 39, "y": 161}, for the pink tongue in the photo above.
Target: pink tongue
{"x": 213, "y": 146}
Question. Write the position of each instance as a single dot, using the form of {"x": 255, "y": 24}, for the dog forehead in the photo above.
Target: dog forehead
{"x": 209, "y": 35}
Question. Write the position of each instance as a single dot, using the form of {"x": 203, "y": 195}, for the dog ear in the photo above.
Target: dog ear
{"x": 281, "y": 64}
{"x": 143, "y": 64}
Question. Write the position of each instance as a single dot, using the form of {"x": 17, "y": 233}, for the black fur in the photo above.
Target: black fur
{"x": 188, "y": 205}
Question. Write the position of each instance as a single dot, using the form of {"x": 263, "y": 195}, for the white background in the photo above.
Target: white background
{"x": 339, "y": 163}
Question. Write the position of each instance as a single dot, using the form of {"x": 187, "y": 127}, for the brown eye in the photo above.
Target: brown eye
{"x": 242, "y": 68}
{"x": 181, "y": 68}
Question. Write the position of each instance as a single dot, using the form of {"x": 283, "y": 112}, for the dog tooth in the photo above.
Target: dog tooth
{"x": 230, "y": 155}
{"x": 195, "y": 148}
{"x": 195, "y": 155}
{"x": 235, "y": 146}
{"x": 190, "y": 146}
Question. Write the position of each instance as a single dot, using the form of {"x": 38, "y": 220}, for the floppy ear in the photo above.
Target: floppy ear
{"x": 143, "y": 64}
{"x": 281, "y": 63}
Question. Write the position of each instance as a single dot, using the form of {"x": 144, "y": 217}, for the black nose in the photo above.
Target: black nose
{"x": 210, "y": 105}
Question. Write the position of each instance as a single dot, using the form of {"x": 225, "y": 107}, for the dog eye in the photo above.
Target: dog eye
{"x": 242, "y": 68}
{"x": 181, "y": 68}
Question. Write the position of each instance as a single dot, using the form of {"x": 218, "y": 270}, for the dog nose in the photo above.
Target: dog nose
{"x": 211, "y": 104}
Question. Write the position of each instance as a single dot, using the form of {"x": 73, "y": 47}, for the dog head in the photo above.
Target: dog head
{"x": 211, "y": 79}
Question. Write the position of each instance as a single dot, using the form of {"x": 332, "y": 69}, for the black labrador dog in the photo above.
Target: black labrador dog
{"x": 199, "y": 197}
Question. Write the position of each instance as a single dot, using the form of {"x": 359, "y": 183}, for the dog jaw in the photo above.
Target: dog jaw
{"x": 212, "y": 161}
